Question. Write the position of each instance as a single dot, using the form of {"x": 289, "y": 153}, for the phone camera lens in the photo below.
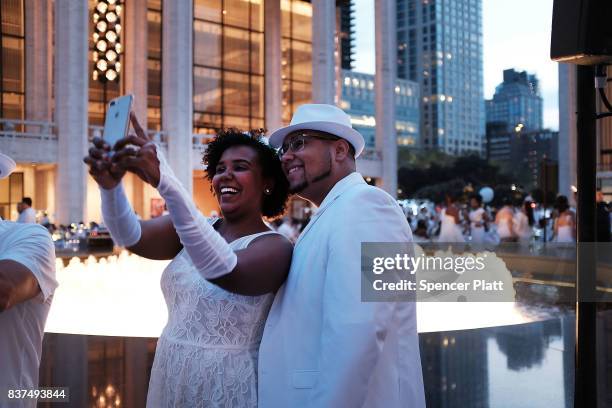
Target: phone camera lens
{"x": 112, "y": 103}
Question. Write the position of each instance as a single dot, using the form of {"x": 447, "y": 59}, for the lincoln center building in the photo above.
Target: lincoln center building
{"x": 193, "y": 66}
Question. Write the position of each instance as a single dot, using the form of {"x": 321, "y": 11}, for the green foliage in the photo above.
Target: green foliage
{"x": 433, "y": 174}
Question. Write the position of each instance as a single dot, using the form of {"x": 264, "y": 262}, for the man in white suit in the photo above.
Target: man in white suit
{"x": 322, "y": 346}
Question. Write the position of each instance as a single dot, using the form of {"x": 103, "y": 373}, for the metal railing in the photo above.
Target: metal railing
{"x": 27, "y": 129}
{"x": 43, "y": 130}
{"x": 158, "y": 136}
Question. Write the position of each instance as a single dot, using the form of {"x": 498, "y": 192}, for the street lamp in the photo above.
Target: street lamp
{"x": 107, "y": 40}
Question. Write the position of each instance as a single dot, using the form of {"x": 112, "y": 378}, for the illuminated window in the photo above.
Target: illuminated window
{"x": 12, "y": 38}
{"x": 154, "y": 63}
{"x": 296, "y": 44}
{"x": 228, "y": 71}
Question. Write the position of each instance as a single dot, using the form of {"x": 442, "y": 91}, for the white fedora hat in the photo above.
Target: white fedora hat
{"x": 323, "y": 118}
{"x": 7, "y": 165}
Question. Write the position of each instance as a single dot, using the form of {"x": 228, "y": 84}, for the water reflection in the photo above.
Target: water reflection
{"x": 525, "y": 345}
{"x": 526, "y": 365}
{"x": 455, "y": 368}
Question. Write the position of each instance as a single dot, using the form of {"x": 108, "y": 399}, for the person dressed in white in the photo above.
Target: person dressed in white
{"x": 27, "y": 284}
{"x": 27, "y": 215}
{"x": 288, "y": 229}
{"x": 322, "y": 346}
{"x": 220, "y": 283}
{"x": 565, "y": 223}
{"x": 478, "y": 219}
{"x": 523, "y": 222}
{"x": 504, "y": 222}
{"x": 450, "y": 229}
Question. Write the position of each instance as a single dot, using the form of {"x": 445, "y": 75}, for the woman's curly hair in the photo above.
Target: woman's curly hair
{"x": 273, "y": 204}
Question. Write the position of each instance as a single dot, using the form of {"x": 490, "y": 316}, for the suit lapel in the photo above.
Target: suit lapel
{"x": 340, "y": 187}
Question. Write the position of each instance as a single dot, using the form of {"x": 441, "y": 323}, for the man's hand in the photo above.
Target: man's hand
{"x": 100, "y": 166}
{"x": 141, "y": 160}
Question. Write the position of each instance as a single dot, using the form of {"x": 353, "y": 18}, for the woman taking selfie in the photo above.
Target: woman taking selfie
{"x": 207, "y": 353}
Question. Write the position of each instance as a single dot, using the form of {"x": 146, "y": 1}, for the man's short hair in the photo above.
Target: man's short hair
{"x": 350, "y": 145}
{"x": 27, "y": 201}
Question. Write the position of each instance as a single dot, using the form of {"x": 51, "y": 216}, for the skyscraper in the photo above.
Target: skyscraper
{"x": 517, "y": 102}
{"x": 440, "y": 47}
{"x": 346, "y": 32}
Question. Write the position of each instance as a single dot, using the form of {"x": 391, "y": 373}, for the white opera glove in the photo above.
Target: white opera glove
{"x": 119, "y": 217}
{"x": 209, "y": 252}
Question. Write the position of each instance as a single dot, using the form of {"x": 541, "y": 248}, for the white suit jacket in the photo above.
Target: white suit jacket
{"x": 322, "y": 346}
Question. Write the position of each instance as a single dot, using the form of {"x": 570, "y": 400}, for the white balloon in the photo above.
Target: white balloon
{"x": 487, "y": 194}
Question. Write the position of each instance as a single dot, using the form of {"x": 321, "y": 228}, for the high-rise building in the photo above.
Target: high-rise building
{"x": 440, "y": 47}
{"x": 517, "y": 102}
{"x": 524, "y": 154}
{"x": 358, "y": 100}
{"x": 346, "y": 32}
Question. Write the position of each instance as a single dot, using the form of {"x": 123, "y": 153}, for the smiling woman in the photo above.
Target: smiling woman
{"x": 220, "y": 283}
{"x": 234, "y": 153}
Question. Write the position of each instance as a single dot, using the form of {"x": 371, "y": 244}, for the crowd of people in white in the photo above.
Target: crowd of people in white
{"x": 474, "y": 222}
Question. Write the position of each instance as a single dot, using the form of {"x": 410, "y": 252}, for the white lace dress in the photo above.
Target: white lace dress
{"x": 207, "y": 353}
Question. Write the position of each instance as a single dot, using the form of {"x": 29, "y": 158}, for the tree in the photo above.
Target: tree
{"x": 432, "y": 174}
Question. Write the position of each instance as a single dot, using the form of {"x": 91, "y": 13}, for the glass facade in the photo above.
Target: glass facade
{"x": 517, "y": 102}
{"x": 12, "y": 63}
{"x": 296, "y": 45}
{"x": 99, "y": 93}
{"x": 358, "y": 100}
{"x": 228, "y": 65}
{"x": 154, "y": 61}
{"x": 440, "y": 47}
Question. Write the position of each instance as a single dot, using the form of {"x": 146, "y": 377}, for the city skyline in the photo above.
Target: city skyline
{"x": 505, "y": 46}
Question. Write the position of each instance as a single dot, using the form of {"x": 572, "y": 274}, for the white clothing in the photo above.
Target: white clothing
{"x": 503, "y": 226}
{"x": 207, "y": 353}
{"x": 450, "y": 231}
{"x": 288, "y": 231}
{"x": 322, "y": 346}
{"x": 521, "y": 226}
{"x": 22, "y": 326}
{"x": 477, "y": 225}
{"x": 564, "y": 232}
{"x": 27, "y": 216}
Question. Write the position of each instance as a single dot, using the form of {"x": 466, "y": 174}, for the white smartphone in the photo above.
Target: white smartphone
{"x": 117, "y": 119}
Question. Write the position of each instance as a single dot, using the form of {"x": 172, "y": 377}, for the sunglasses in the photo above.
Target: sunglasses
{"x": 298, "y": 142}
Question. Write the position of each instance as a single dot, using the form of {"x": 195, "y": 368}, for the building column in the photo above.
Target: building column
{"x": 385, "y": 79}
{"x": 177, "y": 79}
{"x": 38, "y": 73}
{"x": 135, "y": 77}
{"x": 273, "y": 57}
{"x": 567, "y": 130}
{"x": 323, "y": 46}
{"x": 71, "y": 87}
{"x": 135, "y": 57}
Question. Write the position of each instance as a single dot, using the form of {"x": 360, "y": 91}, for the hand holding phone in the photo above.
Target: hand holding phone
{"x": 117, "y": 119}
